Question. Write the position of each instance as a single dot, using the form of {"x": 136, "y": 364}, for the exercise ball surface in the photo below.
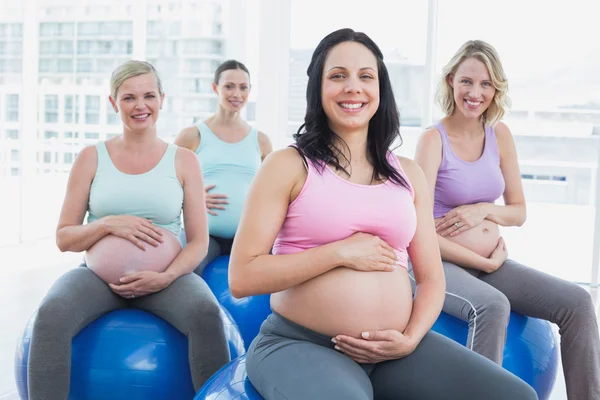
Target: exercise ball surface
{"x": 248, "y": 312}
{"x": 531, "y": 351}
{"x": 126, "y": 354}
{"x": 229, "y": 383}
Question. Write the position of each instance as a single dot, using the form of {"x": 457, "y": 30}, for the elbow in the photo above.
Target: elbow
{"x": 61, "y": 243}
{"x": 522, "y": 217}
{"x": 237, "y": 288}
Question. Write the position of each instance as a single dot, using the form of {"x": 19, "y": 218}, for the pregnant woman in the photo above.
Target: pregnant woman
{"x": 469, "y": 160}
{"x": 133, "y": 188}
{"x": 230, "y": 152}
{"x": 344, "y": 213}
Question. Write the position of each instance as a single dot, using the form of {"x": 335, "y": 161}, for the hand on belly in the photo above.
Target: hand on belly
{"x": 112, "y": 257}
{"x": 482, "y": 239}
{"x": 375, "y": 346}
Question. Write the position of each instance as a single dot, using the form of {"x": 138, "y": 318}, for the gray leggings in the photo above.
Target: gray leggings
{"x": 217, "y": 246}
{"x": 79, "y": 297}
{"x": 288, "y": 361}
{"x": 485, "y": 301}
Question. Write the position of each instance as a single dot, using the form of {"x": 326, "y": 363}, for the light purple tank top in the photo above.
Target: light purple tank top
{"x": 461, "y": 182}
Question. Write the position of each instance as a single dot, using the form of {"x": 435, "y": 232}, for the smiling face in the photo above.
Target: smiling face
{"x": 472, "y": 87}
{"x": 233, "y": 89}
{"x": 139, "y": 101}
{"x": 350, "y": 87}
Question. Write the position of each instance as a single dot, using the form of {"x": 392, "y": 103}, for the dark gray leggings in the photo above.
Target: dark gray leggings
{"x": 217, "y": 246}
{"x": 288, "y": 361}
{"x": 79, "y": 297}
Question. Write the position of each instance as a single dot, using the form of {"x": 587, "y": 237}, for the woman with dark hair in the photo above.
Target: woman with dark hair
{"x": 340, "y": 210}
{"x": 230, "y": 152}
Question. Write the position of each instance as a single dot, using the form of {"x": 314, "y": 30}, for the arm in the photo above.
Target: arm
{"x": 252, "y": 270}
{"x": 264, "y": 143}
{"x": 428, "y": 156}
{"x": 196, "y": 226}
{"x": 71, "y": 235}
{"x": 425, "y": 258}
{"x": 189, "y": 138}
{"x": 514, "y": 212}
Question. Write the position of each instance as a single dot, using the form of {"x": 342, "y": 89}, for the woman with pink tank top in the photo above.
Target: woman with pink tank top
{"x": 469, "y": 160}
{"x": 343, "y": 214}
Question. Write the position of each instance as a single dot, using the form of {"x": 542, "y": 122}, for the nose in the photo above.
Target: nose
{"x": 353, "y": 85}
{"x": 139, "y": 103}
{"x": 475, "y": 91}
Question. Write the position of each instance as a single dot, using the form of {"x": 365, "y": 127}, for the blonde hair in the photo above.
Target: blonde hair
{"x": 130, "y": 69}
{"x": 485, "y": 53}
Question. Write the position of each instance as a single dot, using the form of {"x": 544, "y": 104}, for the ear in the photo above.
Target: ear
{"x": 214, "y": 88}
{"x": 162, "y": 100}
{"x": 450, "y": 79}
{"x": 114, "y": 105}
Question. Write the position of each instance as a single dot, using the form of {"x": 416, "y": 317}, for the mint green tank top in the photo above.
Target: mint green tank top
{"x": 231, "y": 167}
{"x": 156, "y": 195}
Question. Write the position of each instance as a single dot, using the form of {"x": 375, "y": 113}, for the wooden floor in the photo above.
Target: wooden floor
{"x": 26, "y": 273}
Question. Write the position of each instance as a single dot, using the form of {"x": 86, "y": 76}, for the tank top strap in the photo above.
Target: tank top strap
{"x": 166, "y": 165}
{"x": 104, "y": 162}
{"x": 491, "y": 145}
{"x": 395, "y": 162}
{"x": 446, "y": 148}
{"x": 207, "y": 136}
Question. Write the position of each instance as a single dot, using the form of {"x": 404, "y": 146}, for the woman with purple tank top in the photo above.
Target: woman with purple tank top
{"x": 469, "y": 160}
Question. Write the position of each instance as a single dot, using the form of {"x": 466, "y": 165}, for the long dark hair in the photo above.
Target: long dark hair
{"x": 227, "y": 65}
{"x": 315, "y": 139}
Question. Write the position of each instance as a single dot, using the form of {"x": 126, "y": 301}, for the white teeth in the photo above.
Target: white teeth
{"x": 353, "y": 105}
{"x": 140, "y": 116}
{"x": 473, "y": 103}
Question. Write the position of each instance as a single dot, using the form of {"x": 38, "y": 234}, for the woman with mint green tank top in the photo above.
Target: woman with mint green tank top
{"x": 133, "y": 189}
{"x": 230, "y": 152}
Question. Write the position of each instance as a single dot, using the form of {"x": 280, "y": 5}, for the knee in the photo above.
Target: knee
{"x": 581, "y": 303}
{"x": 52, "y": 312}
{"x": 496, "y": 308}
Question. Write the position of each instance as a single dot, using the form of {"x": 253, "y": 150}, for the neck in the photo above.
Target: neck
{"x": 227, "y": 118}
{"x": 139, "y": 140}
{"x": 460, "y": 125}
{"x": 355, "y": 147}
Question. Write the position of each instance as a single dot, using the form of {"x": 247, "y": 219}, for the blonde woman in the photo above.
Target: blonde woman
{"x": 133, "y": 188}
{"x": 469, "y": 160}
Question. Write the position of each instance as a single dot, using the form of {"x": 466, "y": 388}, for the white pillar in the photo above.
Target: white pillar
{"x": 273, "y": 69}
{"x": 429, "y": 87}
{"x": 140, "y": 29}
{"x": 236, "y": 31}
{"x": 596, "y": 249}
{"x": 28, "y": 110}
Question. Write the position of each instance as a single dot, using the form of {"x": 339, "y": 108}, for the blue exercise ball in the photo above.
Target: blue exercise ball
{"x": 531, "y": 351}
{"x": 229, "y": 383}
{"x": 126, "y": 354}
{"x": 249, "y": 312}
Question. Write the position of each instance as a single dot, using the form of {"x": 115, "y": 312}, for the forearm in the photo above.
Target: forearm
{"x": 273, "y": 273}
{"x": 459, "y": 255}
{"x": 427, "y": 305}
{"x": 509, "y": 215}
{"x": 187, "y": 260}
{"x": 77, "y": 238}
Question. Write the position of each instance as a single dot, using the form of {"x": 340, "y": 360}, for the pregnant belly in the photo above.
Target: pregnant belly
{"x": 113, "y": 257}
{"x": 345, "y": 301}
{"x": 481, "y": 239}
{"x": 225, "y": 223}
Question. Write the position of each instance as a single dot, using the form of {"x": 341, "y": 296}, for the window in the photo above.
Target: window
{"x": 50, "y": 135}
{"x": 47, "y": 157}
{"x": 65, "y": 65}
{"x": 51, "y": 107}
{"x": 92, "y": 135}
{"x": 12, "y": 107}
{"x": 14, "y": 155}
{"x": 71, "y": 135}
{"x": 68, "y": 158}
{"x": 92, "y": 109}
{"x": 12, "y": 134}
{"x": 14, "y": 171}
{"x": 112, "y": 118}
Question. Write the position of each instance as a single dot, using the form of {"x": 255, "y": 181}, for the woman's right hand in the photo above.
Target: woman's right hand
{"x": 214, "y": 200}
{"x": 365, "y": 252}
{"x": 498, "y": 256}
{"x": 135, "y": 229}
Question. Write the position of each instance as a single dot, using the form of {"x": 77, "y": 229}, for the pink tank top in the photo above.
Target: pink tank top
{"x": 330, "y": 208}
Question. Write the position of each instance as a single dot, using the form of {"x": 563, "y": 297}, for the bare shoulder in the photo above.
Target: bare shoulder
{"x": 87, "y": 159}
{"x": 185, "y": 156}
{"x": 430, "y": 138}
{"x": 287, "y": 159}
{"x": 411, "y": 169}
{"x": 263, "y": 137}
{"x": 188, "y": 137}
{"x": 502, "y": 131}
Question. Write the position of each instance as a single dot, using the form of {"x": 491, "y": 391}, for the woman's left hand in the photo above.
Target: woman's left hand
{"x": 375, "y": 346}
{"x": 141, "y": 284}
{"x": 460, "y": 219}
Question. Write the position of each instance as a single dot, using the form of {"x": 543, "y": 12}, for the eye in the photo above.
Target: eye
{"x": 337, "y": 76}
{"x": 366, "y": 76}
{"x": 465, "y": 81}
{"x": 128, "y": 98}
{"x": 487, "y": 84}
{"x": 150, "y": 96}
{"x": 228, "y": 86}
{"x": 244, "y": 88}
